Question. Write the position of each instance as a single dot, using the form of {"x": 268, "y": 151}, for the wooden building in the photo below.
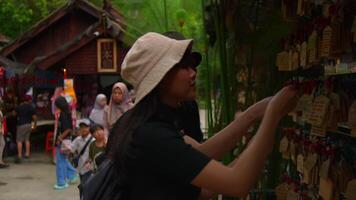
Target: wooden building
{"x": 80, "y": 37}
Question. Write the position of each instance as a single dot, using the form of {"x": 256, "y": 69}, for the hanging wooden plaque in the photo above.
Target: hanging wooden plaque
{"x": 324, "y": 171}
{"x": 292, "y": 195}
{"x": 351, "y": 189}
{"x": 319, "y": 110}
{"x": 283, "y": 61}
{"x": 310, "y": 162}
{"x": 300, "y": 163}
{"x": 318, "y": 130}
{"x": 312, "y": 47}
{"x": 306, "y": 176}
{"x": 307, "y": 106}
{"x": 303, "y": 55}
{"x": 337, "y": 40}
{"x": 326, "y": 42}
{"x": 281, "y": 191}
{"x": 301, "y": 8}
{"x": 326, "y": 189}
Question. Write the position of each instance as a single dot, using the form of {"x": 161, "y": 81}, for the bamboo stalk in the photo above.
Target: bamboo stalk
{"x": 165, "y": 15}
{"x": 208, "y": 103}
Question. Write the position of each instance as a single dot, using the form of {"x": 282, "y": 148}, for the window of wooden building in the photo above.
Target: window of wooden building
{"x": 107, "y": 56}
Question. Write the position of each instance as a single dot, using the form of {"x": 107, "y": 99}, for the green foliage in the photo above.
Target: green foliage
{"x": 19, "y": 15}
{"x": 185, "y": 16}
{"x": 157, "y": 16}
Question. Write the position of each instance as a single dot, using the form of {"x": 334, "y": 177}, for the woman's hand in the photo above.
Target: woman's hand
{"x": 258, "y": 109}
{"x": 283, "y": 102}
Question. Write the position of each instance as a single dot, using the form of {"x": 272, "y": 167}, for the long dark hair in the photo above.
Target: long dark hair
{"x": 121, "y": 135}
{"x": 62, "y": 104}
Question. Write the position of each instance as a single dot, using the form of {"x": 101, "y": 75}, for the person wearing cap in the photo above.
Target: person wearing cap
{"x": 154, "y": 160}
{"x": 82, "y": 141}
{"x": 25, "y": 113}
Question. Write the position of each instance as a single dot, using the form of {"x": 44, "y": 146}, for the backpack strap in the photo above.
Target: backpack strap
{"x": 85, "y": 146}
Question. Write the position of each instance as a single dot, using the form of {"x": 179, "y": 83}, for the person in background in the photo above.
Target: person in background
{"x": 98, "y": 112}
{"x": 132, "y": 95}
{"x": 120, "y": 102}
{"x": 64, "y": 170}
{"x": 80, "y": 147}
{"x": 97, "y": 148}
{"x": 45, "y": 97}
{"x": 39, "y": 101}
{"x": 2, "y": 142}
{"x": 57, "y": 92}
{"x": 25, "y": 114}
{"x": 9, "y": 104}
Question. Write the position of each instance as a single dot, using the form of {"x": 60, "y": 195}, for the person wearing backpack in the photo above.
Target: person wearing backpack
{"x": 80, "y": 149}
{"x": 150, "y": 155}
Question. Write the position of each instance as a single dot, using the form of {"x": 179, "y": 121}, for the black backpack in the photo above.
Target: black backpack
{"x": 103, "y": 185}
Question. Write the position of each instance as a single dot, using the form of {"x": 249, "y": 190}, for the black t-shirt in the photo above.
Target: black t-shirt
{"x": 65, "y": 122}
{"x": 163, "y": 165}
{"x": 25, "y": 113}
{"x": 189, "y": 121}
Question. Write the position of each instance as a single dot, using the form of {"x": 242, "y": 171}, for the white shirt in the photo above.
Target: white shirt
{"x": 77, "y": 146}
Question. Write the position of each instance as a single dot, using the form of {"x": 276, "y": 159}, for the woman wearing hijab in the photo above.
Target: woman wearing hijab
{"x": 120, "y": 102}
{"x": 97, "y": 114}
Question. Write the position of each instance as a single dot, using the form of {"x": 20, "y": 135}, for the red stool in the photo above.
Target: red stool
{"x": 49, "y": 141}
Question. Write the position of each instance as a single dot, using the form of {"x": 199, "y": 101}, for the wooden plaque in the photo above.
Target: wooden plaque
{"x": 107, "y": 55}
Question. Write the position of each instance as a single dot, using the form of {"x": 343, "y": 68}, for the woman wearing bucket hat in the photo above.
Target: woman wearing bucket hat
{"x": 154, "y": 160}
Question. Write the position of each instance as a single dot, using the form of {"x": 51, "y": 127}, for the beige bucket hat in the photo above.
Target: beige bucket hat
{"x": 149, "y": 60}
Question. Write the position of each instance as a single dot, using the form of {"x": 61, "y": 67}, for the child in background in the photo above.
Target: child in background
{"x": 97, "y": 148}
{"x": 80, "y": 147}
